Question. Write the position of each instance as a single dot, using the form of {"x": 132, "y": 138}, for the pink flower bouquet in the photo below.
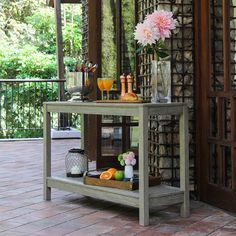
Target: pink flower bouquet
{"x": 152, "y": 33}
{"x": 127, "y": 158}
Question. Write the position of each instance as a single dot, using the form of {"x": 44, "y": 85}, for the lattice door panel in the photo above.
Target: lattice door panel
{"x": 222, "y": 94}
{"x": 218, "y": 103}
{"x": 221, "y": 144}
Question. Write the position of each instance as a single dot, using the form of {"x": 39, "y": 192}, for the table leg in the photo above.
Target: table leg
{"x": 184, "y": 160}
{"x": 46, "y": 153}
{"x": 143, "y": 168}
{"x": 82, "y": 131}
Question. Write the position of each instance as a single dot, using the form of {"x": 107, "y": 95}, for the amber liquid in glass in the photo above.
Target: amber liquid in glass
{"x": 100, "y": 83}
{"x": 107, "y": 83}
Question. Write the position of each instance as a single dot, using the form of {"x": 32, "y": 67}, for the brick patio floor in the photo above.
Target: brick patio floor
{"x": 23, "y": 211}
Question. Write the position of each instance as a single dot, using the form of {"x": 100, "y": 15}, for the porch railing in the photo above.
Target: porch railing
{"x": 21, "y": 107}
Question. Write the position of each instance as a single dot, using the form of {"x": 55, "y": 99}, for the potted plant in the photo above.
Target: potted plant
{"x": 127, "y": 160}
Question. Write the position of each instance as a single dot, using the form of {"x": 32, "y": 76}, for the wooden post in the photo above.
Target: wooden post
{"x": 60, "y": 62}
{"x": 46, "y": 153}
{"x": 143, "y": 168}
{"x": 184, "y": 160}
{"x": 60, "y": 55}
{"x": 94, "y": 54}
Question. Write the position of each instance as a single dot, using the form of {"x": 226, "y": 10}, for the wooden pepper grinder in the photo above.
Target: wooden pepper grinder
{"x": 122, "y": 81}
{"x": 130, "y": 83}
{"x": 130, "y": 96}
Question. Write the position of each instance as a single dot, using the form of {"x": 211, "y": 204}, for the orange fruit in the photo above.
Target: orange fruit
{"x": 112, "y": 171}
{"x": 106, "y": 175}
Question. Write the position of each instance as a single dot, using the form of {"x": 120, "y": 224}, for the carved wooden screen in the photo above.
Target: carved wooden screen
{"x": 85, "y": 30}
{"x": 163, "y": 134}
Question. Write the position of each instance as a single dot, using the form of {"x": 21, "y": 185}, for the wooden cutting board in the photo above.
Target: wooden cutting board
{"x": 120, "y": 101}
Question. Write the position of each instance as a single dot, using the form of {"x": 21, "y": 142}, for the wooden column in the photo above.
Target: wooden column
{"x": 60, "y": 55}
{"x": 62, "y": 121}
{"x": 92, "y": 133}
{"x": 202, "y": 74}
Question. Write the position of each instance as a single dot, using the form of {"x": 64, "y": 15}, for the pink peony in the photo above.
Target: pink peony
{"x": 131, "y": 156}
{"x": 125, "y": 156}
{"x": 133, "y": 162}
{"x": 128, "y": 162}
{"x": 163, "y": 21}
{"x": 146, "y": 34}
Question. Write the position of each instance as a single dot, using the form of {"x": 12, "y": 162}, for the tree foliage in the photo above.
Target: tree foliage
{"x": 27, "y": 30}
{"x": 43, "y": 23}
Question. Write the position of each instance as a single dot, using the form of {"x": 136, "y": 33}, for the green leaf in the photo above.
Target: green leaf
{"x": 139, "y": 49}
{"x": 120, "y": 157}
{"x": 161, "y": 44}
{"x": 150, "y": 50}
{"x": 162, "y": 54}
{"x": 122, "y": 162}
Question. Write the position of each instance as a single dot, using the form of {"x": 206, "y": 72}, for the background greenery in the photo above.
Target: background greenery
{"x": 28, "y": 51}
{"x": 28, "y": 38}
{"x": 110, "y": 31}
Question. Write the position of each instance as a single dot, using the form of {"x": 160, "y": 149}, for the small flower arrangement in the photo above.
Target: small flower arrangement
{"x": 151, "y": 34}
{"x": 127, "y": 158}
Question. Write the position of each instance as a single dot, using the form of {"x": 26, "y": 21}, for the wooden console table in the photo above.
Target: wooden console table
{"x": 144, "y": 198}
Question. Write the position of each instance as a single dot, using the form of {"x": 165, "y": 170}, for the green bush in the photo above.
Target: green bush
{"x": 36, "y": 64}
{"x": 26, "y": 63}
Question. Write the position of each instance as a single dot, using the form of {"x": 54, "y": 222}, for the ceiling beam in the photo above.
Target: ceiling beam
{"x": 51, "y": 2}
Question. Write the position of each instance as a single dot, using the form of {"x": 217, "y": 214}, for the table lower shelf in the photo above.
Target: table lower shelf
{"x": 158, "y": 195}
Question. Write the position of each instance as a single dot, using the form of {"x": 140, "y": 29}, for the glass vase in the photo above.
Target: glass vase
{"x": 129, "y": 172}
{"x": 161, "y": 82}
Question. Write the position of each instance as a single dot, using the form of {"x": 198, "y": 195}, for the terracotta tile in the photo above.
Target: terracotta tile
{"x": 12, "y": 233}
{"x": 96, "y": 229}
{"x": 200, "y": 228}
{"x": 223, "y": 232}
{"x": 23, "y": 211}
{"x": 151, "y": 232}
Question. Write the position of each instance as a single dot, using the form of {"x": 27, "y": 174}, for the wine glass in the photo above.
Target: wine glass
{"x": 100, "y": 85}
{"x": 107, "y": 84}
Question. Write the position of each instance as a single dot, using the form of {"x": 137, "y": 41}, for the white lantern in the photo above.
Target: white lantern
{"x": 76, "y": 163}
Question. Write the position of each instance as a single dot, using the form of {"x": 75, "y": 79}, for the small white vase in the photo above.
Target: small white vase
{"x": 129, "y": 172}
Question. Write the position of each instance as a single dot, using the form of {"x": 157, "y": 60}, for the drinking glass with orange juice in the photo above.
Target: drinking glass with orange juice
{"x": 100, "y": 85}
{"x": 107, "y": 84}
